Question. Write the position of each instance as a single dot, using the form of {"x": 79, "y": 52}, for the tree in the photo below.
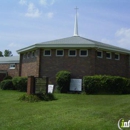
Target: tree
{"x": 1, "y": 54}
{"x": 7, "y": 53}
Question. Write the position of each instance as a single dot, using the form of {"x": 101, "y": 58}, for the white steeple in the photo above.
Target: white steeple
{"x": 76, "y": 24}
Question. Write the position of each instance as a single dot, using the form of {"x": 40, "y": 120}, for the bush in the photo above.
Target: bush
{"x": 37, "y": 97}
{"x": 20, "y": 83}
{"x": 29, "y": 98}
{"x": 7, "y": 85}
{"x": 7, "y": 77}
{"x": 106, "y": 84}
{"x": 63, "y": 81}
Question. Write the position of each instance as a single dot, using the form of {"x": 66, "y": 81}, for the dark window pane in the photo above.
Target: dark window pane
{"x": 116, "y": 56}
{"x": 59, "y": 52}
{"x": 99, "y": 54}
{"x": 108, "y": 55}
{"x": 47, "y": 52}
{"x": 83, "y": 53}
{"x": 73, "y": 52}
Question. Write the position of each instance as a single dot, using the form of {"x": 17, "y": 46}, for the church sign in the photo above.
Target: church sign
{"x": 50, "y": 88}
{"x": 76, "y": 85}
{"x": 41, "y": 85}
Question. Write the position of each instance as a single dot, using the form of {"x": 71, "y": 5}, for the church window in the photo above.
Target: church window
{"x": 59, "y": 53}
{"x": 99, "y": 54}
{"x": 83, "y": 53}
{"x": 24, "y": 56}
{"x": 117, "y": 56}
{"x": 108, "y": 55}
{"x": 33, "y": 54}
{"x": 72, "y": 53}
{"x": 47, "y": 52}
{"x": 28, "y": 55}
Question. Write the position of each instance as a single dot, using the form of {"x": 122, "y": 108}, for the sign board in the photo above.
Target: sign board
{"x": 40, "y": 85}
{"x": 76, "y": 85}
{"x": 50, "y": 88}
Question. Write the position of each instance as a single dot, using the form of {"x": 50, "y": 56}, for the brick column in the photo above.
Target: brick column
{"x": 30, "y": 85}
{"x": 38, "y": 62}
{"x": 20, "y": 64}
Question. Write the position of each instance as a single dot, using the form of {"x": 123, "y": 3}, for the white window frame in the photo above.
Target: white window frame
{"x": 24, "y": 56}
{"x": 59, "y": 50}
{"x": 12, "y": 66}
{"x": 110, "y": 55}
{"x": 101, "y": 54}
{"x": 72, "y": 55}
{"x": 83, "y": 55}
{"x": 118, "y": 56}
{"x": 28, "y": 55}
{"x": 47, "y": 50}
{"x": 32, "y": 54}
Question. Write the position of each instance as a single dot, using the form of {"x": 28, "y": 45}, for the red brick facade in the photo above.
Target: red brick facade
{"x": 11, "y": 72}
{"x": 78, "y": 66}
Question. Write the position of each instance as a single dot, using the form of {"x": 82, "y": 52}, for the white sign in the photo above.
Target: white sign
{"x": 76, "y": 85}
{"x": 50, "y": 88}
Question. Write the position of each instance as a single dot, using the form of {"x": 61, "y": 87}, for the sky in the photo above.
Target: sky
{"x": 27, "y": 22}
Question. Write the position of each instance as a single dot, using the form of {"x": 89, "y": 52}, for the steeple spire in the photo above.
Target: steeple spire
{"x": 76, "y": 24}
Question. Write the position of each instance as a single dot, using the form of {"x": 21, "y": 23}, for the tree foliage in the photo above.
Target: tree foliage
{"x": 7, "y": 53}
{"x": 1, "y": 54}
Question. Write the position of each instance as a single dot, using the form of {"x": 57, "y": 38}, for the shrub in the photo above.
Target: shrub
{"x": 7, "y": 77}
{"x": 29, "y": 98}
{"x": 106, "y": 84}
{"x": 7, "y": 85}
{"x": 20, "y": 83}
{"x": 37, "y": 97}
{"x": 63, "y": 81}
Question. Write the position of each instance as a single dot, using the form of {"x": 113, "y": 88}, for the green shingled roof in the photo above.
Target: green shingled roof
{"x": 75, "y": 42}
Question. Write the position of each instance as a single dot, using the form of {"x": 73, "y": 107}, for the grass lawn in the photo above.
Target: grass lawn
{"x": 69, "y": 112}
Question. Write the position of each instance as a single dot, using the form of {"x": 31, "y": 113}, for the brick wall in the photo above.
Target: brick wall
{"x": 11, "y": 72}
{"x": 30, "y": 66}
{"x": 112, "y": 66}
{"x": 78, "y": 66}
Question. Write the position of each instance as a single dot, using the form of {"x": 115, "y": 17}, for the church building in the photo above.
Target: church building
{"x": 79, "y": 55}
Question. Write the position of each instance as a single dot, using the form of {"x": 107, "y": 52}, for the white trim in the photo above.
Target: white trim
{"x": 110, "y": 55}
{"x": 24, "y": 56}
{"x": 72, "y": 50}
{"x": 118, "y": 56}
{"x": 83, "y": 50}
{"x": 47, "y": 50}
{"x": 59, "y": 50}
{"x": 28, "y": 55}
{"x": 12, "y": 66}
{"x": 101, "y": 54}
{"x": 32, "y": 54}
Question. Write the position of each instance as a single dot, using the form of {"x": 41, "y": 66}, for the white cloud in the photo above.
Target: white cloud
{"x": 23, "y": 2}
{"x": 123, "y": 36}
{"x": 32, "y": 11}
{"x": 52, "y": 2}
{"x": 47, "y": 2}
{"x": 50, "y": 14}
{"x": 43, "y": 2}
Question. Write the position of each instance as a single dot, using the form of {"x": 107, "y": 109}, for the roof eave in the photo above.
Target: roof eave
{"x": 7, "y": 62}
{"x": 26, "y": 49}
{"x": 72, "y": 46}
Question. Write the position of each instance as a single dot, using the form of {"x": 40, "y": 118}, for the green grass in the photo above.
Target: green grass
{"x": 69, "y": 112}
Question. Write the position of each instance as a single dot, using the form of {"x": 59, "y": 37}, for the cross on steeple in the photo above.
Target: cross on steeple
{"x": 76, "y": 24}
{"x": 76, "y": 9}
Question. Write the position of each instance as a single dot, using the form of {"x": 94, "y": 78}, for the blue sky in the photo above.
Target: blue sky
{"x": 26, "y": 22}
